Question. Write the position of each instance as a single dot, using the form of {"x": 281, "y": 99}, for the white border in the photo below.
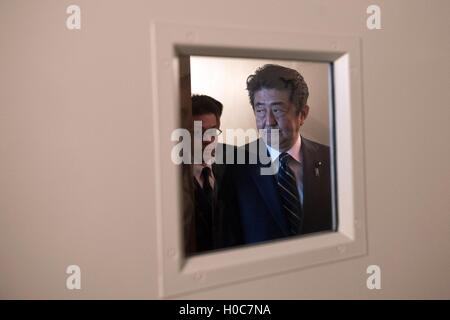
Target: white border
{"x": 178, "y": 275}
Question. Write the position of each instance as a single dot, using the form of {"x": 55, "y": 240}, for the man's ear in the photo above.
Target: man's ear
{"x": 303, "y": 114}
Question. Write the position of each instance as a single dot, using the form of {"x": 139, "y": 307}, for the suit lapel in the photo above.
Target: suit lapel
{"x": 218, "y": 171}
{"x": 310, "y": 178}
{"x": 268, "y": 189}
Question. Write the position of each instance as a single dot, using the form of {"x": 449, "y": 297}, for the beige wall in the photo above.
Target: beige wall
{"x": 225, "y": 80}
{"x": 76, "y": 146}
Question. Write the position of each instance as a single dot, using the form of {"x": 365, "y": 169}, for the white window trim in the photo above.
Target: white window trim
{"x": 178, "y": 274}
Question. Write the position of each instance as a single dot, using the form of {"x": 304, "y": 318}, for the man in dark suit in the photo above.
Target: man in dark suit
{"x": 296, "y": 198}
{"x": 207, "y": 174}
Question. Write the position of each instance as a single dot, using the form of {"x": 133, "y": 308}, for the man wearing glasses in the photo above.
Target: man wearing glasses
{"x": 207, "y": 172}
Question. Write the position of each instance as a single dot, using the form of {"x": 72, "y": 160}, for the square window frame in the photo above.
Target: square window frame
{"x": 178, "y": 274}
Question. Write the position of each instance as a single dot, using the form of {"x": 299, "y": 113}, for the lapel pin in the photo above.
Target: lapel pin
{"x": 316, "y": 169}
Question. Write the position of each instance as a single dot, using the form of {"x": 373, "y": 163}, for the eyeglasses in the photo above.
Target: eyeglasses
{"x": 213, "y": 132}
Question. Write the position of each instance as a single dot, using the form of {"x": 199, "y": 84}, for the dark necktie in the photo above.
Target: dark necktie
{"x": 207, "y": 188}
{"x": 208, "y": 192}
{"x": 290, "y": 200}
{"x": 204, "y": 213}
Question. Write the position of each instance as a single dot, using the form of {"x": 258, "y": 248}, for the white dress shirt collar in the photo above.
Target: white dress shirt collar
{"x": 197, "y": 172}
{"x": 294, "y": 151}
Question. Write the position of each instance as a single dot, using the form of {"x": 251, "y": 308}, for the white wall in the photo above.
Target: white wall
{"x": 77, "y": 162}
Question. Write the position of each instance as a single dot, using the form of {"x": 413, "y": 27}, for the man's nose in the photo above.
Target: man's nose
{"x": 270, "y": 119}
